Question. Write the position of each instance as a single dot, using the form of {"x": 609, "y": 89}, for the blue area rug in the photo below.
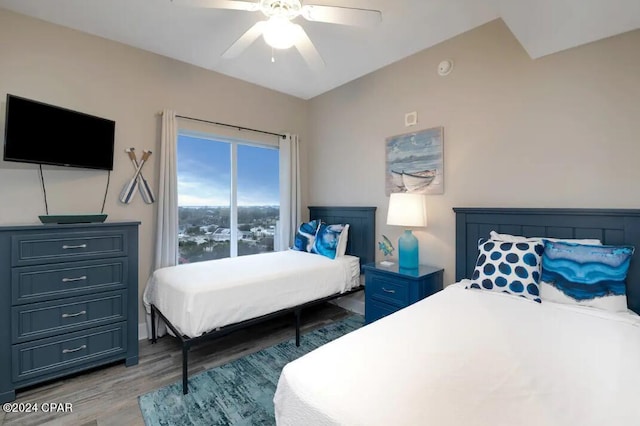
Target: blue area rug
{"x": 240, "y": 392}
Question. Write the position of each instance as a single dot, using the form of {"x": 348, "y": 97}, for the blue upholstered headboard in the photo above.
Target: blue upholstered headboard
{"x": 362, "y": 228}
{"x": 611, "y": 226}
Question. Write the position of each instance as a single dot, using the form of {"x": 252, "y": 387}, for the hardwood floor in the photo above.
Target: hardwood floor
{"x": 109, "y": 395}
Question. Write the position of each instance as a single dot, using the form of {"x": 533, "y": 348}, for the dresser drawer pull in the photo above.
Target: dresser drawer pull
{"x": 68, "y": 280}
{"x": 79, "y": 348}
{"x": 388, "y": 291}
{"x": 66, "y": 247}
{"x": 74, "y": 315}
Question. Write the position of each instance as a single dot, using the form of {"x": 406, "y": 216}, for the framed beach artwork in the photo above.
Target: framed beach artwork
{"x": 415, "y": 162}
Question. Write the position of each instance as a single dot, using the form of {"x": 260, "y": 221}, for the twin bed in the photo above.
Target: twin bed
{"x": 473, "y": 357}
{"x": 207, "y": 300}
{"x": 460, "y": 357}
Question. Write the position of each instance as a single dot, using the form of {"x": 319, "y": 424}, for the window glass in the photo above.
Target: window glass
{"x": 258, "y": 198}
{"x": 209, "y": 171}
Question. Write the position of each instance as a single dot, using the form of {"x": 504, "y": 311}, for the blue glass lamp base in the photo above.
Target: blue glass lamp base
{"x": 408, "y": 251}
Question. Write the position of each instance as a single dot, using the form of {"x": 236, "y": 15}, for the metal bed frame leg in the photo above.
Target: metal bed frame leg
{"x": 154, "y": 338}
{"x": 297, "y": 315}
{"x": 185, "y": 374}
{"x": 188, "y": 342}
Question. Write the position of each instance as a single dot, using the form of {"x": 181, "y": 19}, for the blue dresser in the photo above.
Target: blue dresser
{"x": 389, "y": 288}
{"x": 68, "y": 300}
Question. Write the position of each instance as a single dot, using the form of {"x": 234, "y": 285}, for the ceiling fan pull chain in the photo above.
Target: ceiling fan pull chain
{"x": 273, "y": 58}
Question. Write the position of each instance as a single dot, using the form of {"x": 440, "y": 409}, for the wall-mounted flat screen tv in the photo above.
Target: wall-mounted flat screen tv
{"x": 36, "y": 132}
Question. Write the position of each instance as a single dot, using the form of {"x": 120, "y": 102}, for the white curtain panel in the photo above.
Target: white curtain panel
{"x": 167, "y": 229}
{"x": 167, "y": 225}
{"x": 290, "y": 204}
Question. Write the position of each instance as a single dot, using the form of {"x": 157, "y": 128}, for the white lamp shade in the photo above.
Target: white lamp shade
{"x": 407, "y": 210}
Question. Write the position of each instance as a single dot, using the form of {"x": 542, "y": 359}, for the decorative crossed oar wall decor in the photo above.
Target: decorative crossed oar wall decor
{"x": 137, "y": 181}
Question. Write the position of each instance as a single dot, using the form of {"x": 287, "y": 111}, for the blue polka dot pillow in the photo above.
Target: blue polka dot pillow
{"x": 512, "y": 268}
{"x": 306, "y": 236}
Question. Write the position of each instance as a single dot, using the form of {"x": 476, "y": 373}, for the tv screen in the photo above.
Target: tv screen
{"x": 45, "y": 134}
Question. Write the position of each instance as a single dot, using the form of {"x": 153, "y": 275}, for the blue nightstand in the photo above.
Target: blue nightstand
{"x": 389, "y": 289}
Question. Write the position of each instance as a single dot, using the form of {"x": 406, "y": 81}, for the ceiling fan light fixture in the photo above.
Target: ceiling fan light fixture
{"x": 286, "y": 8}
{"x": 279, "y": 33}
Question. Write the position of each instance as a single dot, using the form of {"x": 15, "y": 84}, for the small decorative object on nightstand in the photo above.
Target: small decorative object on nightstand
{"x": 387, "y": 249}
{"x": 391, "y": 288}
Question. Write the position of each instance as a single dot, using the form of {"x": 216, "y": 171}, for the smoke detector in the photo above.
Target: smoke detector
{"x": 445, "y": 67}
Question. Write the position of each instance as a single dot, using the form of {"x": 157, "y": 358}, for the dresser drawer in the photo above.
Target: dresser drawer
{"x": 46, "y": 282}
{"x": 45, "y": 319}
{"x": 49, "y": 356}
{"x": 31, "y": 249}
{"x": 391, "y": 290}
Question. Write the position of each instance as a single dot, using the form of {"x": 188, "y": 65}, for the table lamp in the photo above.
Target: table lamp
{"x": 407, "y": 210}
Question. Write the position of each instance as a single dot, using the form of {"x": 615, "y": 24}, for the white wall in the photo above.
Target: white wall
{"x": 71, "y": 69}
{"x": 560, "y": 131}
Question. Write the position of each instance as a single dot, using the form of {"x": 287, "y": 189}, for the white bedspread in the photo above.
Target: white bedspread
{"x": 468, "y": 357}
{"x": 199, "y": 297}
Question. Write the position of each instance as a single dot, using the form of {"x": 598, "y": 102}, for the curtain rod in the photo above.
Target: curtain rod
{"x": 232, "y": 126}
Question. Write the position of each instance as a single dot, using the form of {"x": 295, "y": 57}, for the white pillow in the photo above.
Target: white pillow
{"x": 508, "y": 238}
{"x": 342, "y": 242}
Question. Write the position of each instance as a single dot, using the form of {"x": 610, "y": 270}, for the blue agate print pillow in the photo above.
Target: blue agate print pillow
{"x": 506, "y": 267}
{"x": 327, "y": 239}
{"x": 305, "y": 236}
{"x": 586, "y": 275}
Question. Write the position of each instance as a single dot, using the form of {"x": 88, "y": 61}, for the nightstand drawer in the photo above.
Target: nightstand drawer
{"x": 45, "y": 319}
{"x": 42, "y": 357}
{"x": 375, "y": 309}
{"x": 47, "y": 282}
{"x": 390, "y": 290}
{"x": 66, "y": 246}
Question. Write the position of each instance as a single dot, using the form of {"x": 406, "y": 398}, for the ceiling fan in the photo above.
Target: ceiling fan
{"x": 279, "y": 32}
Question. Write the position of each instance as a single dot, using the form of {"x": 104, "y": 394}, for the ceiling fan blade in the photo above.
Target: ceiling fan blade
{"x": 245, "y": 40}
{"x": 307, "y": 49}
{"x": 341, "y": 15}
{"x": 220, "y": 4}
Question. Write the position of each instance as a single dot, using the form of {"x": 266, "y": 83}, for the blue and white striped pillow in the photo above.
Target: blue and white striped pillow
{"x": 587, "y": 275}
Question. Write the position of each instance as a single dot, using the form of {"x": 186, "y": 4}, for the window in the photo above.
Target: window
{"x": 228, "y": 197}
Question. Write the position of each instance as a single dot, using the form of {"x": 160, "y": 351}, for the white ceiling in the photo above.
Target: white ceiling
{"x": 200, "y": 36}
